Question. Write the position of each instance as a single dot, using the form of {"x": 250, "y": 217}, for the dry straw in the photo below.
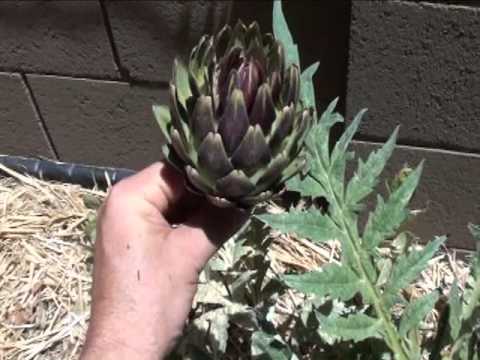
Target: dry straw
{"x": 46, "y": 261}
{"x": 45, "y": 265}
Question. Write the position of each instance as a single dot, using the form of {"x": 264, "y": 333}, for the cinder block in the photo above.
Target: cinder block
{"x": 100, "y": 122}
{"x": 149, "y": 34}
{"x": 417, "y": 65}
{"x": 56, "y": 37}
{"x": 449, "y": 190}
{"x": 20, "y": 131}
{"x": 321, "y": 29}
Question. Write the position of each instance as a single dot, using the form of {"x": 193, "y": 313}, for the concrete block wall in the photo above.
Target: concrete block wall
{"x": 417, "y": 65}
{"x": 78, "y": 79}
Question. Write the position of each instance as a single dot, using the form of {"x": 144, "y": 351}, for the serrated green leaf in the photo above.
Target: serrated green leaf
{"x": 329, "y": 117}
{"x": 306, "y": 186}
{"x": 387, "y": 217}
{"x": 455, "y": 311}
{"x": 311, "y": 224}
{"x": 338, "y": 153}
{"x": 367, "y": 175}
{"x": 318, "y": 140}
{"x": 331, "y": 280}
{"x": 416, "y": 311}
{"x": 307, "y": 88}
{"x": 335, "y": 309}
{"x": 366, "y": 262}
{"x": 408, "y": 267}
{"x": 337, "y": 176}
{"x": 211, "y": 292}
{"x": 356, "y": 327}
{"x": 238, "y": 287}
{"x": 215, "y": 323}
{"x": 229, "y": 254}
{"x": 266, "y": 344}
{"x": 282, "y": 33}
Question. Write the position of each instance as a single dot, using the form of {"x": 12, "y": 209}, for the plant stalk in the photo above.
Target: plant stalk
{"x": 394, "y": 341}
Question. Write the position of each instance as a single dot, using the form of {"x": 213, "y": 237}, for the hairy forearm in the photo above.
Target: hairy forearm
{"x": 123, "y": 344}
{"x": 112, "y": 352}
{"x": 124, "y": 332}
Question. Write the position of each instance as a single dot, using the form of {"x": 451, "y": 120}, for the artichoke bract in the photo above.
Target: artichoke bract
{"x": 236, "y": 125}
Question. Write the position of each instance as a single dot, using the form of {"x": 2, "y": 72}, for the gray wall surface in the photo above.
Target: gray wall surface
{"x": 417, "y": 65}
{"x": 79, "y": 77}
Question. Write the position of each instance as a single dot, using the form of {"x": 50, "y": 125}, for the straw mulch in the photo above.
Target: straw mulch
{"x": 45, "y": 265}
{"x": 46, "y": 262}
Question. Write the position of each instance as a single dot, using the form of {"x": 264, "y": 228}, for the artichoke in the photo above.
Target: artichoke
{"x": 235, "y": 125}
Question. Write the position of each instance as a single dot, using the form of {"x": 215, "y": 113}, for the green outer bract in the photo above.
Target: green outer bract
{"x": 236, "y": 124}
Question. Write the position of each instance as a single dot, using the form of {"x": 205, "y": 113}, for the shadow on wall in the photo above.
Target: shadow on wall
{"x": 72, "y": 37}
{"x": 181, "y": 22}
{"x": 166, "y": 30}
{"x": 80, "y": 13}
{"x": 321, "y": 28}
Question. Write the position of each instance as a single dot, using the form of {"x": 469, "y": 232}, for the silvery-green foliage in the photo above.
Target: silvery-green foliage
{"x": 236, "y": 298}
{"x": 375, "y": 286}
{"x": 461, "y": 333}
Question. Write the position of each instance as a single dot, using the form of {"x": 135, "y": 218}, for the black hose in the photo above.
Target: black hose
{"x": 85, "y": 175}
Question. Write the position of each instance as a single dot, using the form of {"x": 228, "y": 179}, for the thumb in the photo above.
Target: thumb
{"x": 160, "y": 185}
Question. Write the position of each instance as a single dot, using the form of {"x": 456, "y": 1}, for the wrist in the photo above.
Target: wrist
{"x": 119, "y": 343}
{"x": 113, "y": 350}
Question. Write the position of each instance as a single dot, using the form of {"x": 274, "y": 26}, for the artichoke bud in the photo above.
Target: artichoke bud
{"x": 249, "y": 79}
{"x": 291, "y": 85}
{"x": 237, "y": 124}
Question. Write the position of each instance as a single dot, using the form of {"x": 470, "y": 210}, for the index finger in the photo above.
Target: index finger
{"x": 159, "y": 185}
{"x": 206, "y": 230}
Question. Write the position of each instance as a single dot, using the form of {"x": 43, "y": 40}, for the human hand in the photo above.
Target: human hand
{"x": 146, "y": 271}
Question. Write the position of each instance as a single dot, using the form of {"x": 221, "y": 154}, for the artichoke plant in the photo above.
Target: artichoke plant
{"x": 236, "y": 125}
